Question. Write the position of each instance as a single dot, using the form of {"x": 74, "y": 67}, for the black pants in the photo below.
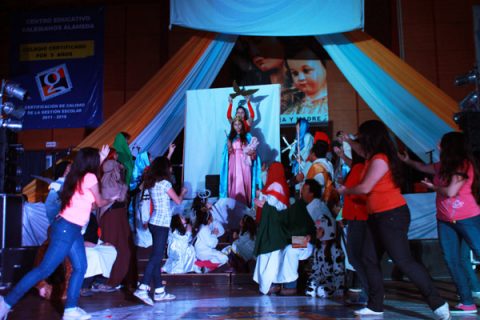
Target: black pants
{"x": 355, "y": 240}
{"x": 387, "y": 231}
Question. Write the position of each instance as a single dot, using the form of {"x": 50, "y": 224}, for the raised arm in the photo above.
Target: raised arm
{"x": 420, "y": 166}
{"x": 229, "y": 110}
{"x": 250, "y": 110}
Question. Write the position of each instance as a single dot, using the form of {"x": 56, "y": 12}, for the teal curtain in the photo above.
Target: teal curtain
{"x": 268, "y": 17}
{"x": 412, "y": 122}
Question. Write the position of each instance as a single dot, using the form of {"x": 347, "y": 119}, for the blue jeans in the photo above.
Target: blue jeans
{"x": 451, "y": 235}
{"x": 65, "y": 240}
{"x": 467, "y": 265}
{"x": 153, "y": 270}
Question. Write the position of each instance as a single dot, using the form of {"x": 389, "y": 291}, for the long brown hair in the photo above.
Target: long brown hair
{"x": 374, "y": 138}
{"x": 86, "y": 161}
{"x": 455, "y": 158}
{"x": 233, "y": 133}
{"x": 158, "y": 171}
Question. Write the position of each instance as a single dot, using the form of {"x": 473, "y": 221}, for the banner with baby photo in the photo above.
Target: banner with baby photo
{"x": 207, "y": 128}
{"x": 298, "y": 64}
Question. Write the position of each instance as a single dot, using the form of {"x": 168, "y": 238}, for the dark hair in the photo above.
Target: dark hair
{"x": 374, "y": 138}
{"x": 201, "y": 212}
{"x": 159, "y": 170}
{"x": 314, "y": 187}
{"x": 233, "y": 133}
{"x": 60, "y": 168}
{"x": 320, "y": 149}
{"x": 126, "y": 135}
{"x": 202, "y": 216}
{"x": 356, "y": 158}
{"x": 86, "y": 161}
{"x": 177, "y": 224}
{"x": 455, "y": 158}
{"x": 249, "y": 226}
{"x": 244, "y": 110}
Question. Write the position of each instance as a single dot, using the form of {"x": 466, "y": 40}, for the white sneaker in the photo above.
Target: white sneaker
{"x": 321, "y": 293}
{"x": 4, "y": 309}
{"x": 162, "y": 295}
{"x": 367, "y": 312}
{"x": 442, "y": 312}
{"x": 311, "y": 290}
{"x": 75, "y": 314}
{"x": 142, "y": 294}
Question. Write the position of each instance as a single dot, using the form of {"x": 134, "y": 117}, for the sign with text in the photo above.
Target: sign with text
{"x": 58, "y": 57}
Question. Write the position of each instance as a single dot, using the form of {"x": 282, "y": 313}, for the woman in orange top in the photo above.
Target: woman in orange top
{"x": 354, "y": 213}
{"x": 388, "y": 220}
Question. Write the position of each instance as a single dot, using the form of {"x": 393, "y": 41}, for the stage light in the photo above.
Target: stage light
{"x": 470, "y": 102}
{"x": 13, "y": 90}
{"x": 14, "y": 125}
{"x": 457, "y": 117}
{"x": 10, "y": 110}
{"x": 471, "y": 77}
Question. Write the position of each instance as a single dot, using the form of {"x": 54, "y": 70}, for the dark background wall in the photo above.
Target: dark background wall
{"x": 437, "y": 37}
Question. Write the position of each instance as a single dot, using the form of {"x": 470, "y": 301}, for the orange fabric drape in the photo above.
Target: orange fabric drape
{"x": 424, "y": 90}
{"x": 137, "y": 112}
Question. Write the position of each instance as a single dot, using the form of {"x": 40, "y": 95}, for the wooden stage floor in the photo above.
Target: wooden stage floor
{"x": 208, "y": 301}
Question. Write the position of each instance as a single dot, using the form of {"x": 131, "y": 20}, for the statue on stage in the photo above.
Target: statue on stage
{"x": 240, "y": 175}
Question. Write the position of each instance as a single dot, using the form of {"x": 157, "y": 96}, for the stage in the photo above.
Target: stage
{"x": 235, "y": 301}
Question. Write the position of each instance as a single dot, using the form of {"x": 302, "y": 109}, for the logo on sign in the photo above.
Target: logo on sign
{"x": 53, "y": 82}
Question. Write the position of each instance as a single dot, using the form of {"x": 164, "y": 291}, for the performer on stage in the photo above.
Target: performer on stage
{"x": 80, "y": 191}
{"x": 300, "y": 151}
{"x": 238, "y": 180}
{"x": 241, "y": 112}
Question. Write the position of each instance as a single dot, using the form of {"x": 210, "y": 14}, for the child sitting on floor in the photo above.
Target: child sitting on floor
{"x": 206, "y": 241}
{"x": 241, "y": 250}
{"x": 180, "y": 251}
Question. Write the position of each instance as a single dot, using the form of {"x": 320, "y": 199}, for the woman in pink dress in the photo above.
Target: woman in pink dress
{"x": 241, "y": 167}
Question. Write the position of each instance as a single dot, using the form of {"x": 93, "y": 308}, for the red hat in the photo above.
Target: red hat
{"x": 322, "y": 136}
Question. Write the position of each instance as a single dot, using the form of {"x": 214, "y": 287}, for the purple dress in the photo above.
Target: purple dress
{"x": 239, "y": 174}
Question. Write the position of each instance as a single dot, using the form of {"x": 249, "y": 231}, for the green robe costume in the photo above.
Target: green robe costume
{"x": 124, "y": 156}
{"x": 277, "y": 227}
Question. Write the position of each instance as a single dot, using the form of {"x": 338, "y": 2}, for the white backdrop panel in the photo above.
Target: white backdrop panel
{"x": 206, "y": 128}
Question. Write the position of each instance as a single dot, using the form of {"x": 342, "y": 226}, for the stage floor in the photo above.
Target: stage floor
{"x": 234, "y": 302}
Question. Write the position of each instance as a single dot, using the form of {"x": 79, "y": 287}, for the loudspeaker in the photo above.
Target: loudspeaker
{"x": 469, "y": 122}
{"x": 212, "y": 183}
{"x": 14, "y": 264}
{"x": 11, "y": 220}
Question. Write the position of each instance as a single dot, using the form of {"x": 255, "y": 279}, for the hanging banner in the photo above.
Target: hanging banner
{"x": 297, "y": 64}
{"x": 58, "y": 57}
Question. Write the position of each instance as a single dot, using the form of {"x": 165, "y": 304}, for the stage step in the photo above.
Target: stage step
{"x": 217, "y": 278}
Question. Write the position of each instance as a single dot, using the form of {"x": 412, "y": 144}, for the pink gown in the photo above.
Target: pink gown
{"x": 239, "y": 175}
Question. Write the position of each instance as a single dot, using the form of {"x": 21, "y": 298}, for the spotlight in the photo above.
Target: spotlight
{"x": 470, "y": 102}
{"x": 14, "y": 125}
{"x": 13, "y": 90}
{"x": 10, "y": 110}
{"x": 457, "y": 117}
{"x": 470, "y": 77}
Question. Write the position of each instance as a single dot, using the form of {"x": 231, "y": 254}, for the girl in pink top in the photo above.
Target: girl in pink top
{"x": 456, "y": 182}
{"x": 80, "y": 191}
